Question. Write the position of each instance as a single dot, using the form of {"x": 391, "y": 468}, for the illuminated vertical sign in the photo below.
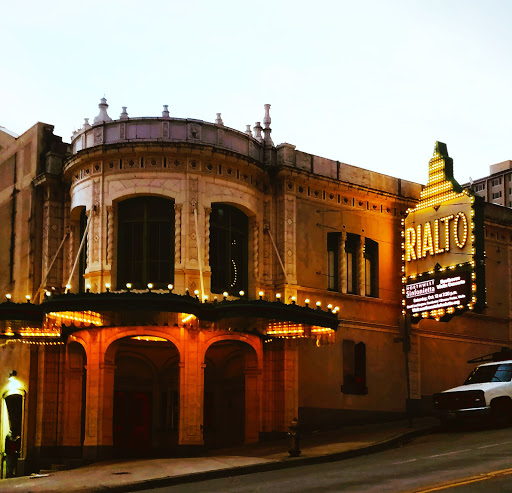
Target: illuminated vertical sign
{"x": 442, "y": 247}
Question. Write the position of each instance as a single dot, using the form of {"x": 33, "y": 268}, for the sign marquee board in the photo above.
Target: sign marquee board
{"x": 442, "y": 242}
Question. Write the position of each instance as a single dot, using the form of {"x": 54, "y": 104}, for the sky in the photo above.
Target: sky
{"x": 370, "y": 83}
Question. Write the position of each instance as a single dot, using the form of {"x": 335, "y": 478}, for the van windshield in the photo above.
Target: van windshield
{"x": 490, "y": 373}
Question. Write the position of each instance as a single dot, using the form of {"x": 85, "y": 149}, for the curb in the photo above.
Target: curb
{"x": 263, "y": 467}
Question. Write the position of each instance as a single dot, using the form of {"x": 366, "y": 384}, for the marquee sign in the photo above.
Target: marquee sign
{"x": 442, "y": 242}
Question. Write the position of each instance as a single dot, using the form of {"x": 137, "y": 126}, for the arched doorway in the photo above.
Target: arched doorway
{"x": 146, "y": 402}
{"x": 230, "y": 393}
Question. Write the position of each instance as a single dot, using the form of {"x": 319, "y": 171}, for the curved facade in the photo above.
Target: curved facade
{"x": 196, "y": 166}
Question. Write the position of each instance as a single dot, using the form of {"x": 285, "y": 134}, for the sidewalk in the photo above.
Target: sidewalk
{"x": 133, "y": 475}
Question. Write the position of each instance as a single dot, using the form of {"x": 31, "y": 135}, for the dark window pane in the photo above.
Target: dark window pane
{"x": 146, "y": 241}
{"x": 333, "y": 240}
{"x": 228, "y": 249}
{"x": 351, "y": 247}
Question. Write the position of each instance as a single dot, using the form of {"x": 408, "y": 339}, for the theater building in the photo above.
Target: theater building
{"x": 177, "y": 284}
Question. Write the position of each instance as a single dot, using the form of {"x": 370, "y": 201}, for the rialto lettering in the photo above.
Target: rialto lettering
{"x": 436, "y": 237}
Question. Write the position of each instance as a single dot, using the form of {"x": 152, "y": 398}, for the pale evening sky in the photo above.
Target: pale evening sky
{"x": 369, "y": 83}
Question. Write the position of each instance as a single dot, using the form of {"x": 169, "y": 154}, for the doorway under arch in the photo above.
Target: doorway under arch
{"x": 146, "y": 397}
{"x": 231, "y": 399}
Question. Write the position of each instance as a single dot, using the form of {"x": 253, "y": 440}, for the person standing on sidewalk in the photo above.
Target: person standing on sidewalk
{"x": 12, "y": 453}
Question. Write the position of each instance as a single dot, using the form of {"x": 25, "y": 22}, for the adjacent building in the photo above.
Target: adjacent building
{"x": 175, "y": 284}
{"x": 497, "y": 187}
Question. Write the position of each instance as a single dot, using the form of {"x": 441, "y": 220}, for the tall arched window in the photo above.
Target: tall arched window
{"x": 228, "y": 249}
{"x": 145, "y": 246}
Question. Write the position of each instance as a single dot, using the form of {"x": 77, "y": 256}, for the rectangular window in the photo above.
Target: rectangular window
{"x": 496, "y": 181}
{"x": 371, "y": 268}
{"x": 351, "y": 246}
{"x": 479, "y": 187}
{"x": 333, "y": 240}
{"x": 354, "y": 368}
{"x": 496, "y": 195}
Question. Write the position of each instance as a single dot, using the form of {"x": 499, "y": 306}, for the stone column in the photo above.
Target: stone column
{"x": 252, "y": 405}
{"x": 100, "y": 405}
{"x": 414, "y": 367}
{"x": 191, "y": 395}
{"x": 41, "y": 388}
{"x": 72, "y": 416}
{"x": 281, "y": 389}
{"x": 268, "y": 387}
{"x": 291, "y": 381}
{"x": 49, "y": 415}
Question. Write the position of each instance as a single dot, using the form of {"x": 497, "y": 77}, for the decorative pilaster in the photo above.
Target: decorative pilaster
{"x": 193, "y": 200}
{"x": 71, "y": 249}
{"x": 110, "y": 234}
{"x": 53, "y": 232}
{"x": 256, "y": 250}
{"x": 267, "y": 244}
{"x": 88, "y": 251}
{"x": 177, "y": 233}
{"x": 95, "y": 227}
{"x": 206, "y": 262}
{"x": 289, "y": 241}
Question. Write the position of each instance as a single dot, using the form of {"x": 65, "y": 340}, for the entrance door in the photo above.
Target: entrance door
{"x": 132, "y": 420}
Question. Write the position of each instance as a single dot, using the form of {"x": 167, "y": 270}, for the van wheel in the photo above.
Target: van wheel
{"x": 501, "y": 412}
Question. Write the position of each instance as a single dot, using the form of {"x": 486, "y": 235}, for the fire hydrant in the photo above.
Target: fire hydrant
{"x": 294, "y": 438}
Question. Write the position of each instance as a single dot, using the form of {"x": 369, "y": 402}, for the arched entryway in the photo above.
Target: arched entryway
{"x": 231, "y": 396}
{"x": 146, "y": 396}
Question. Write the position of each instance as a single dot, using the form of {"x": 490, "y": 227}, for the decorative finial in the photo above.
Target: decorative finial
{"x": 124, "y": 114}
{"x": 165, "y": 113}
{"x": 248, "y": 130}
{"x": 102, "y": 116}
{"x": 87, "y": 125}
{"x": 257, "y": 132}
{"x": 266, "y": 118}
{"x": 219, "y": 121}
{"x": 266, "y": 126}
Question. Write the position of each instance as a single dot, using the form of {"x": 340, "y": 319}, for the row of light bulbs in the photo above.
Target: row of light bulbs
{"x": 225, "y": 294}
{"x": 170, "y": 287}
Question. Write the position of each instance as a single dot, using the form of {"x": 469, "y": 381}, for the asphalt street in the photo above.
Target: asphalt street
{"x": 463, "y": 460}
